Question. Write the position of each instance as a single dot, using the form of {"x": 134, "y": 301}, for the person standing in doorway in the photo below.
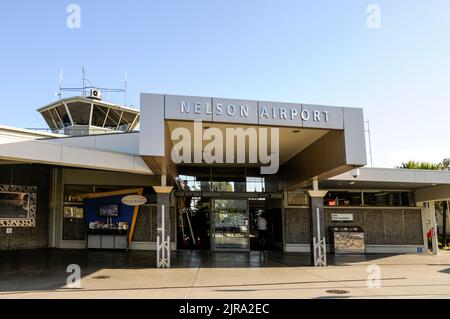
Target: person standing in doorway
{"x": 262, "y": 232}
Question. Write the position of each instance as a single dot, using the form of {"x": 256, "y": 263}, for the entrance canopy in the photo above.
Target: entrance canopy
{"x": 300, "y": 141}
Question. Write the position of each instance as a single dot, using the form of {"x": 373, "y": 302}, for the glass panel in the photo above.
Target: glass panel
{"x": 382, "y": 198}
{"x": 231, "y": 228}
{"x": 74, "y": 227}
{"x": 98, "y": 115}
{"x": 80, "y": 112}
{"x": 255, "y": 184}
{"x": 406, "y": 199}
{"x": 222, "y": 186}
{"x": 74, "y": 193}
{"x": 55, "y": 116}
{"x": 190, "y": 183}
{"x": 73, "y": 222}
{"x": 126, "y": 121}
{"x": 228, "y": 179}
{"x": 64, "y": 115}
{"x": 113, "y": 119}
{"x": 73, "y": 212}
{"x": 49, "y": 120}
{"x": 350, "y": 198}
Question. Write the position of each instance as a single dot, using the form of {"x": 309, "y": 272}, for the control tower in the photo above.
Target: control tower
{"x": 79, "y": 116}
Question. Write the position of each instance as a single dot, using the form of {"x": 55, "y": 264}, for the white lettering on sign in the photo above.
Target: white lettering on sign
{"x": 305, "y": 115}
{"x": 242, "y": 110}
{"x": 342, "y": 217}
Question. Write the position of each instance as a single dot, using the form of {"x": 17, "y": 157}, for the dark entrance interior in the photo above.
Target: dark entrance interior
{"x": 257, "y": 209}
{"x": 218, "y": 209}
{"x": 194, "y": 223}
{"x": 270, "y": 209}
{"x": 197, "y": 227}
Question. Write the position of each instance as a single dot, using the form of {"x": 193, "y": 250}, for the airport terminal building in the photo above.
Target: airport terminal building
{"x": 106, "y": 176}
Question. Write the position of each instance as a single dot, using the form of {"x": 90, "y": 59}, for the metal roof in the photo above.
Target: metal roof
{"x": 87, "y": 100}
{"x": 388, "y": 178}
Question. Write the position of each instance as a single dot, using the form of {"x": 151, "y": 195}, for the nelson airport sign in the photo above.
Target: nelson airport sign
{"x": 261, "y": 119}
{"x": 265, "y": 112}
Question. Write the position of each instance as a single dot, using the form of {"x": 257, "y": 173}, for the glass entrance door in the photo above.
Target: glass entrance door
{"x": 230, "y": 224}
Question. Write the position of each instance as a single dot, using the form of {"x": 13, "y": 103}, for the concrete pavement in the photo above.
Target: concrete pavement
{"x": 402, "y": 276}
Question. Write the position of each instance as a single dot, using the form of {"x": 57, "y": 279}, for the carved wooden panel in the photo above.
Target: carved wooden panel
{"x": 30, "y": 219}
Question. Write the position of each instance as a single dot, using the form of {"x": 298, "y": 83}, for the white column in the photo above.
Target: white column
{"x": 429, "y": 222}
{"x": 434, "y": 232}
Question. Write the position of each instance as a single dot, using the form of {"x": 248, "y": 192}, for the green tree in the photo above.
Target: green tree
{"x": 446, "y": 163}
{"x": 421, "y": 165}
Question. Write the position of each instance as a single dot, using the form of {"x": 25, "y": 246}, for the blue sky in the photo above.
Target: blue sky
{"x": 300, "y": 51}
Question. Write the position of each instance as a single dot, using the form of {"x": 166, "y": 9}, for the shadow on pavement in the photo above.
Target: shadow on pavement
{"x": 45, "y": 269}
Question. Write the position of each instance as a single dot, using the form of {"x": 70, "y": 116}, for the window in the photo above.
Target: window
{"x": 74, "y": 227}
{"x": 73, "y": 212}
{"x": 98, "y": 115}
{"x": 73, "y": 221}
{"x": 383, "y": 198}
{"x": 369, "y": 198}
{"x": 49, "y": 119}
{"x": 345, "y": 198}
{"x": 56, "y": 118}
{"x": 126, "y": 120}
{"x": 113, "y": 118}
{"x": 80, "y": 112}
{"x": 63, "y": 115}
{"x": 255, "y": 184}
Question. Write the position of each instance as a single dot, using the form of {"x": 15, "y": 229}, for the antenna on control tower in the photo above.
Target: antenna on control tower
{"x": 369, "y": 142}
{"x": 87, "y": 85}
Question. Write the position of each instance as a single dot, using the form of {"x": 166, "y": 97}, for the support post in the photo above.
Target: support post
{"x": 430, "y": 212}
{"x": 163, "y": 226}
{"x": 317, "y": 228}
{"x": 444, "y": 223}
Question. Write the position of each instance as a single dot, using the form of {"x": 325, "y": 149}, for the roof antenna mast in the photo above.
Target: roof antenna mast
{"x": 61, "y": 83}
{"x": 126, "y": 87}
{"x": 368, "y": 138}
{"x": 87, "y": 85}
{"x": 83, "y": 80}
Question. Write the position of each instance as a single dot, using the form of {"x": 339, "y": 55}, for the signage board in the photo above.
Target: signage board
{"x": 134, "y": 200}
{"x": 253, "y": 112}
{"x": 342, "y": 217}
